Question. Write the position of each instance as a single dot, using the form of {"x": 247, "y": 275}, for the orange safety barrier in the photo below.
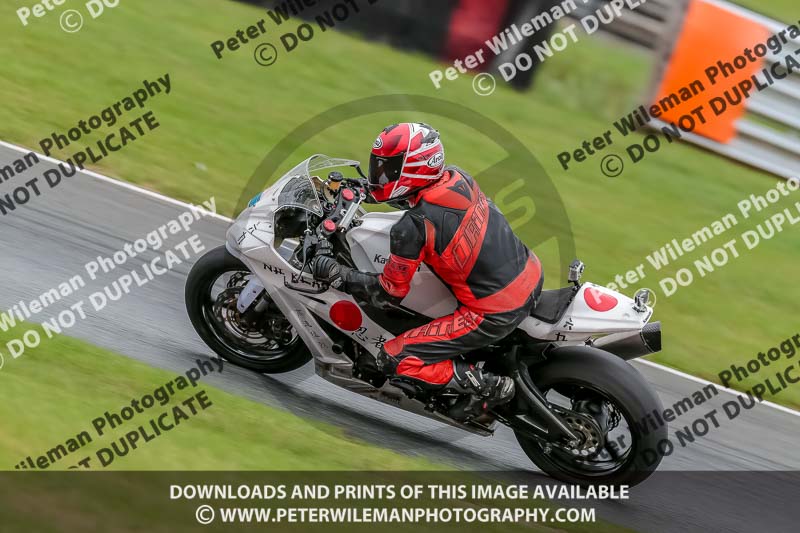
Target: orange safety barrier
{"x": 710, "y": 34}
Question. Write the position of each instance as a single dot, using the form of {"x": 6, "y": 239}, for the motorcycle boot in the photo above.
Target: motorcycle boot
{"x": 482, "y": 391}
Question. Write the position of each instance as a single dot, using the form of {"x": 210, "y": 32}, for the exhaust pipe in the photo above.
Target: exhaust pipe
{"x": 632, "y": 344}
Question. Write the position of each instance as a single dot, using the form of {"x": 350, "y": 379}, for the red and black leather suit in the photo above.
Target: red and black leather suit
{"x": 464, "y": 238}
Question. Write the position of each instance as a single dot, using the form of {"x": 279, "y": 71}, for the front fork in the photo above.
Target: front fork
{"x": 252, "y": 293}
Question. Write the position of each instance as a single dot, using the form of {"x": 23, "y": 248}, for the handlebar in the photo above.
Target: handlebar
{"x": 348, "y": 195}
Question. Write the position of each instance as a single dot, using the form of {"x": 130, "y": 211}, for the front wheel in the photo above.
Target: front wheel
{"x": 606, "y": 402}
{"x": 265, "y": 342}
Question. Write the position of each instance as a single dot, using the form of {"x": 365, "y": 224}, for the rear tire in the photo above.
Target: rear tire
{"x": 202, "y": 277}
{"x": 598, "y": 370}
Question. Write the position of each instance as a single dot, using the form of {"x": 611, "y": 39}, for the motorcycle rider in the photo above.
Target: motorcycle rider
{"x": 452, "y": 227}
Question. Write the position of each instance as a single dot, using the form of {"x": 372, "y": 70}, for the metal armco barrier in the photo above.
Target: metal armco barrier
{"x": 647, "y": 25}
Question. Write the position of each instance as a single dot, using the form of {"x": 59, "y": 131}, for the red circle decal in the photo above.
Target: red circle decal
{"x": 598, "y": 300}
{"x": 346, "y": 315}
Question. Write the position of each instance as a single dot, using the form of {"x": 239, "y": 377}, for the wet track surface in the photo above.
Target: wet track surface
{"x": 50, "y": 239}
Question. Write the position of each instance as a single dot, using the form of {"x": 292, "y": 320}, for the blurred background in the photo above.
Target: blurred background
{"x": 706, "y": 30}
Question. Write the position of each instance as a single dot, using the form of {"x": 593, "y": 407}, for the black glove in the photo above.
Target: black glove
{"x": 327, "y": 270}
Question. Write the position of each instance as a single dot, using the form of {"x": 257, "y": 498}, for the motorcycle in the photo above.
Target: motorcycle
{"x": 579, "y": 410}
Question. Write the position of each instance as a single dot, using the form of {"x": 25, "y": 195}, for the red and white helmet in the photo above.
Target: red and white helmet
{"x": 405, "y": 158}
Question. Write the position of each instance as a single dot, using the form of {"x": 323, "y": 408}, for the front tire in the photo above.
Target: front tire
{"x": 594, "y": 371}
{"x": 200, "y": 305}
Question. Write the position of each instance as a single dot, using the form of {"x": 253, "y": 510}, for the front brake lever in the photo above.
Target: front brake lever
{"x": 308, "y": 244}
{"x": 298, "y": 288}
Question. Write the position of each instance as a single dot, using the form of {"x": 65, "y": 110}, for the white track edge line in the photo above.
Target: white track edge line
{"x": 175, "y": 201}
{"x": 119, "y": 183}
{"x": 696, "y": 379}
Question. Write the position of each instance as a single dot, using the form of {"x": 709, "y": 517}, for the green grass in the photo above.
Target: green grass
{"x": 228, "y": 114}
{"x": 53, "y": 392}
{"x": 781, "y": 10}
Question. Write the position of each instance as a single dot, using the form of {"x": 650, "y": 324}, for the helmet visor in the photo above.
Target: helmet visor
{"x": 384, "y": 170}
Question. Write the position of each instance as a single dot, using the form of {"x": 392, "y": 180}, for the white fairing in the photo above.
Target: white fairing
{"x": 581, "y": 321}
{"x": 369, "y": 248}
{"x": 251, "y": 239}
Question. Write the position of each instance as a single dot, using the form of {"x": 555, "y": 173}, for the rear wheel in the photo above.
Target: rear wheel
{"x": 605, "y": 401}
{"x": 265, "y": 342}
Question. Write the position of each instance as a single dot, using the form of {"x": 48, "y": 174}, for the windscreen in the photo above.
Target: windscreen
{"x": 299, "y": 190}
